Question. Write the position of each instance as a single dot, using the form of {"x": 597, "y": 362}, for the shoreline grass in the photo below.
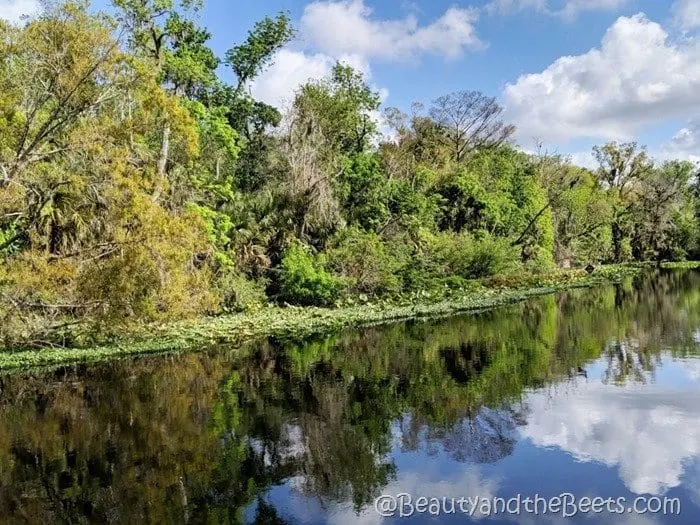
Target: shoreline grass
{"x": 301, "y": 322}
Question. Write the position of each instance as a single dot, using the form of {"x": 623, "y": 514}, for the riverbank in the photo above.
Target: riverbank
{"x": 298, "y": 323}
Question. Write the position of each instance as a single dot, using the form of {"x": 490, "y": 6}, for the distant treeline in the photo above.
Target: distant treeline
{"x": 136, "y": 185}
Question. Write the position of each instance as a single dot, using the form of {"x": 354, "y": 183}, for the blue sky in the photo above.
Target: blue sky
{"x": 520, "y": 43}
{"x": 631, "y": 68}
{"x": 515, "y": 38}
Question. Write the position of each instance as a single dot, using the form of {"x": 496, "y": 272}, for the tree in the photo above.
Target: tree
{"x": 340, "y": 107}
{"x": 189, "y": 65}
{"x": 695, "y": 192}
{"x": 247, "y": 116}
{"x": 84, "y": 244}
{"x": 249, "y": 59}
{"x": 664, "y": 209}
{"x": 495, "y": 192}
{"x": 554, "y": 175}
{"x": 582, "y": 216}
{"x": 363, "y": 190}
{"x": 146, "y": 22}
{"x": 621, "y": 170}
{"x": 153, "y": 26}
{"x": 580, "y": 210}
{"x": 56, "y": 72}
{"x": 418, "y": 141}
{"x": 330, "y": 120}
{"x": 471, "y": 121}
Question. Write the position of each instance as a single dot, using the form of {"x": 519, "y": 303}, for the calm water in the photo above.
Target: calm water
{"x": 592, "y": 392}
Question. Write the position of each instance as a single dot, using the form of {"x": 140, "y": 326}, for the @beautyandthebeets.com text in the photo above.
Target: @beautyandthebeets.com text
{"x": 567, "y": 505}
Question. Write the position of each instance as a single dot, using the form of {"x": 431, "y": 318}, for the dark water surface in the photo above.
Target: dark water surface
{"x": 595, "y": 393}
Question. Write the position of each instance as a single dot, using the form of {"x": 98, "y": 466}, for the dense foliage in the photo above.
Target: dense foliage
{"x": 136, "y": 185}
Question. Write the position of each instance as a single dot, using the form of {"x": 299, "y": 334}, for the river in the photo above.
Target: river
{"x": 589, "y": 396}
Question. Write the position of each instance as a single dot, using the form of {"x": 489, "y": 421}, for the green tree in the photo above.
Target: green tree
{"x": 247, "y": 116}
{"x": 87, "y": 244}
{"x": 330, "y": 119}
{"x": 582, "y": 217}
{"x": 665, "y": 209}
{"x": 621, "y": 170}
{"x": 149, "y": 23}
{"x": 363, "y": 191}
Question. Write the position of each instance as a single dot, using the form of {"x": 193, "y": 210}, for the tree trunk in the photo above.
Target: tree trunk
{"x": 617, "y": 241}
{"x": 162, "y": 161}
{"x": 164, "y": 150}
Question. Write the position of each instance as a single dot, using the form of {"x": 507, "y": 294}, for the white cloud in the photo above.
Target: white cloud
{"x": 650, "y": 434}
{"x": 346, "y": 31}
{"x": 507, "y": 7}
{"x": 584, "y": 159}
{"x": 685, "y": 144}
{"x": 13, "y": 10}
{"x": 342, "y": 27}
{"x": 636, "y": 78}
{"x": 568, "y": 9}
{"x": 688, "y": 137}
{"x": 572, "y": 8}
{"x": 686, "y": 13}
{"x": 289, "y": 70}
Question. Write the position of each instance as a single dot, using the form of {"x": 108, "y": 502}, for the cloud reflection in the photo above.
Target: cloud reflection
{"x": 649, "y": 433}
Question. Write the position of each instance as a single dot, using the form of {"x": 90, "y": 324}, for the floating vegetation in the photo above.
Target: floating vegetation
{"x": 298, "y": 323}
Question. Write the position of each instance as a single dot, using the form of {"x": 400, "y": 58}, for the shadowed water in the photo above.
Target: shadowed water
{"x": 591, "y": 392}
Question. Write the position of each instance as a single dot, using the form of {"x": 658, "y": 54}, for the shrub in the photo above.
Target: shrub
{"x": 239, "y": 294}
{"x": 303, "y": 279}
{"x": 153, "y": 279}
{"x": 472, "y": 257}
{"x": 489, "y": 256}
{"x": 365, "y": 263}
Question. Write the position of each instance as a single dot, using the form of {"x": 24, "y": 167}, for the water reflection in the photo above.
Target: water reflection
{"x": 649, "y": 434}
{"x": 595, "y": 392}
